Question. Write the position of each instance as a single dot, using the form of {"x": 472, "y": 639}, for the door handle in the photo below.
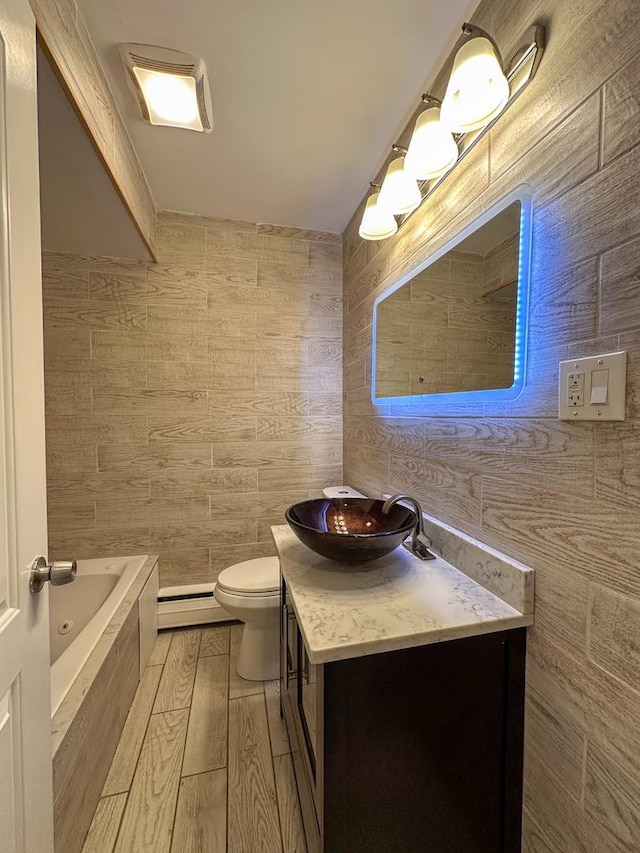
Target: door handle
{"x": 58, "y": 573}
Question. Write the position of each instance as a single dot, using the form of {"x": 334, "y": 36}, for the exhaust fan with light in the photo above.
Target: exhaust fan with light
{"x": 171, "y": 86}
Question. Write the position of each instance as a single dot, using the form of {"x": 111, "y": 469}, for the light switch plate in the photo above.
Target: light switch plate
{"x": 593, "y": 388}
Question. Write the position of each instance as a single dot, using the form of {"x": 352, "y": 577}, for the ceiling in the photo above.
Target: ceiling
{"x": 72, "y": 177}
{"x": 307, "y": 97}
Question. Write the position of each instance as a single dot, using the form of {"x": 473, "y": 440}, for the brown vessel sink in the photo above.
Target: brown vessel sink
{"x": 350, "y": 530}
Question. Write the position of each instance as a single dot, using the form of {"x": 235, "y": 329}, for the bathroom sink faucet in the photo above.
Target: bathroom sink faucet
{"x": 420, "y": 542}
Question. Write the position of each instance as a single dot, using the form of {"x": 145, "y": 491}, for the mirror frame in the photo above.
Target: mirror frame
{"x": 524, "y": 195}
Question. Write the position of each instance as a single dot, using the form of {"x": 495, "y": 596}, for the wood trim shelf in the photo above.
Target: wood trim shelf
{"x": 66, "y": 41}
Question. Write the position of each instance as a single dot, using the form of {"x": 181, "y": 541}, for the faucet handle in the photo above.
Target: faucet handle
{"x": 419, "y": 545}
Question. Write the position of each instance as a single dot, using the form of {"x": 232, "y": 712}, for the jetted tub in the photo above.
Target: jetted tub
{"x": 103, "y": 628}
{"x": 79, "y": 614}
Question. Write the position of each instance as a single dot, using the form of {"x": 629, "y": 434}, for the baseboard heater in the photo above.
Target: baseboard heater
{"x": 190, "y": 604}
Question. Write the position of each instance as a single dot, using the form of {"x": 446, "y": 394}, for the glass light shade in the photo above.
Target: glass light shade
{"x": 400, "y": 192}
{"x": 478, "y": 89}
{"x": 432, "y": 150}
{"x": 171, "y": 98}
{"x": 378, "y": 222}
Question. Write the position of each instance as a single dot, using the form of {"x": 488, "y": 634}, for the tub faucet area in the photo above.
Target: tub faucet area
{"x": 420, "y": 542}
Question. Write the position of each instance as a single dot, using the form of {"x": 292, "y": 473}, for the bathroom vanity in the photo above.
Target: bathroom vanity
{"x": 402, "y": 686}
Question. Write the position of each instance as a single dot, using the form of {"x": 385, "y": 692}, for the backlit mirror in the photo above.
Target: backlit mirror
{"x": 455, "y": 327}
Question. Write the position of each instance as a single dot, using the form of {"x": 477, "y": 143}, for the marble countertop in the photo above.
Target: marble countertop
{"x": 396, "y": 602}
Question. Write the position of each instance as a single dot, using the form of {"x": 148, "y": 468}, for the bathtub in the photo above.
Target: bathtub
{"x": 79, "y": 614}
{"x": 103, "y": 627}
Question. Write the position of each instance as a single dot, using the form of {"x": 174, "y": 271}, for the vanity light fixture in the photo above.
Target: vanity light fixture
{"x": 400, "y": 192}
{"x": 432, "y": 150}
{"x": 378, "y": 222}
{"x": 171, "y": 86}
{"x": 479, "y": 89}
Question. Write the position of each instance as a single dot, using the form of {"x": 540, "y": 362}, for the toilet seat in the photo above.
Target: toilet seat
{"x": 255, "y": 578}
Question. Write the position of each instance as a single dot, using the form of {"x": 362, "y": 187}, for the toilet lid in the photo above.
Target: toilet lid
{"x": 252, "y": 577}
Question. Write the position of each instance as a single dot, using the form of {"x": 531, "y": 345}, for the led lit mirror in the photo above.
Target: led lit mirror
{"x": 455, "y": 328}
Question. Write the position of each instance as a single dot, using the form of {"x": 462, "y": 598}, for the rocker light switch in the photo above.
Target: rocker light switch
{"x": 599, "y": 387}
{"x": 594, "y": 388}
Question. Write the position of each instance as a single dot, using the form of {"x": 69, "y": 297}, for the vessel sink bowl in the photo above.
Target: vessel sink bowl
{"x": 350, "y": 530}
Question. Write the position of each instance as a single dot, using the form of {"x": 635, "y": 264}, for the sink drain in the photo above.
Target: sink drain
{"x": 65, "y": 626}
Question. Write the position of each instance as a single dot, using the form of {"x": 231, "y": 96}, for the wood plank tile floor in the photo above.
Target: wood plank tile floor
{"x": 203, "y": 764}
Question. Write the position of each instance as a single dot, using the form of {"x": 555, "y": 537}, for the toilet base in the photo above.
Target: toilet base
{"x": 249, "y": 591}
{"x": 259, "y": 655}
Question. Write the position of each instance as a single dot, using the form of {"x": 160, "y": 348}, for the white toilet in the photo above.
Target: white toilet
{"x": 250, "y": 592}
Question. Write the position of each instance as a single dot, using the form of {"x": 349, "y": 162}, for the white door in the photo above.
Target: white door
{"x": 26, "y": 808}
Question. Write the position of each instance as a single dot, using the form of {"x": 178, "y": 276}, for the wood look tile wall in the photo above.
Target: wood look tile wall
{"x": 562, "y": 497}
{"x": 189, "y": 402}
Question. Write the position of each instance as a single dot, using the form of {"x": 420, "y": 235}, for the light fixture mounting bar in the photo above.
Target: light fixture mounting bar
{"x": 532, "y": 44}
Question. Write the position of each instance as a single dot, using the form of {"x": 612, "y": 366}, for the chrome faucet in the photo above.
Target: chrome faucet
{"x": 420, "y": 542}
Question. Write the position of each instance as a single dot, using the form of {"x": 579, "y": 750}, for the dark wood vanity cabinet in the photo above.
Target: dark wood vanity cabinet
{"x": 408, "y": 751}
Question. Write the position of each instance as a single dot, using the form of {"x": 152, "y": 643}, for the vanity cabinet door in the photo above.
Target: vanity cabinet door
{"x": 288, "y": 649}
{"x": 423, "y": 749}
{"x": 307, "y": 704}
{"x": 296, "y": 676}
{"x": 299, "y": 681}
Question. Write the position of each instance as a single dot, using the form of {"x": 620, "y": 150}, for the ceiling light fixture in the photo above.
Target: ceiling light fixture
{"x": 478, "y": 91}
{"x": 171, "y": 86}
{"x": 378, "y": 222}
{"x": 432, "y": 150}
{"x": 400, "y": 192}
